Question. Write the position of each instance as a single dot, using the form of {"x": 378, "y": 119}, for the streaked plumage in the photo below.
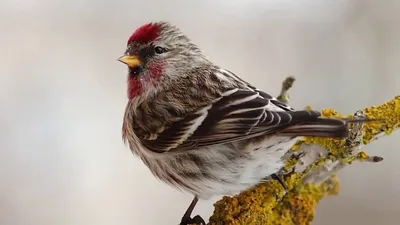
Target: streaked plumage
{"x": 201, "y": 128}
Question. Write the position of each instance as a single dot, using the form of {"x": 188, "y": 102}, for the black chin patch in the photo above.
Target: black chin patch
{"x": 135, "y": 71}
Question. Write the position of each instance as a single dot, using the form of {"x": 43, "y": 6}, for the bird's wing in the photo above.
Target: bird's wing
{"x": 238, "y": 115}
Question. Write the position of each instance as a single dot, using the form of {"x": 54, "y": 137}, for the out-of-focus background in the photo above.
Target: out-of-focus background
{"x": 62, "y": 94}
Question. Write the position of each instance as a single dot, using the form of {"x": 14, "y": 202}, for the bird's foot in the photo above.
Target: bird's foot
{"x": 197, "y": 220}
{"x": 276, "y": 177}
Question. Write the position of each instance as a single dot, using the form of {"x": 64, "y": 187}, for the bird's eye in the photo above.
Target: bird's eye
{"x": 159, "y": 50}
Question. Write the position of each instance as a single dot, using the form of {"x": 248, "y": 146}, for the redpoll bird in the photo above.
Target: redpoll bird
{"x": 201, "y": 128}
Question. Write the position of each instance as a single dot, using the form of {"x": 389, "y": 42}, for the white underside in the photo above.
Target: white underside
{"x": 247, "y": 172}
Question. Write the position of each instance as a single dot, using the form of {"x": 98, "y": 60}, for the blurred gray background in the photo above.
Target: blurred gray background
{"x": 62, "y": 95}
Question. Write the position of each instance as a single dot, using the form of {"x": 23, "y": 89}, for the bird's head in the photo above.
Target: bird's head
{"x": 158, "y": 53}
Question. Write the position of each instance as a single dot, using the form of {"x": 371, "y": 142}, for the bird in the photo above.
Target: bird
{"x": 201, "y": 128}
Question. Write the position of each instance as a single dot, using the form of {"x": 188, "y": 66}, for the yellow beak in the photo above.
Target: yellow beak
{"x": 130, "y": 60}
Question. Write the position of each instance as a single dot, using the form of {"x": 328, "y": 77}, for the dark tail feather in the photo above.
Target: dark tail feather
{"x": 323, "y": 127}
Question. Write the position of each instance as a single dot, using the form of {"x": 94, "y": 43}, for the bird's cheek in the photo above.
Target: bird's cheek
{"x": 155, "y": 71}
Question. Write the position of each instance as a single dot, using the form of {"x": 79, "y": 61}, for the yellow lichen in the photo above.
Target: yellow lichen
{"x": 289, "y": 164}
{"x": 284, "y": 98}
{"x": 389, "y": 113}
{"x": 362, "y": 156}
{"x": 330, "y": 113}
{"x": 266, "y": 202}
{"x": 260, "y": 201}
{"x": 296, "y": 146}
{"x": 297, "y": 207}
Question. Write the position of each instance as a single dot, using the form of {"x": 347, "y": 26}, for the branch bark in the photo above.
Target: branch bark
{"x": 309, "y": 172}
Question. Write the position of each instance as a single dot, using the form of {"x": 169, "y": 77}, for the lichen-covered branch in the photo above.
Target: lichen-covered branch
{"x": 309, "y": 172}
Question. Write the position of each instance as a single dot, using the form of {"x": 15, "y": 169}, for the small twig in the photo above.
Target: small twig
{"x": 286, "y": 85}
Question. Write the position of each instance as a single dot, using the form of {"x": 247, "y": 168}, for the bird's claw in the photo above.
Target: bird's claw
{"x": 197, "y": 220}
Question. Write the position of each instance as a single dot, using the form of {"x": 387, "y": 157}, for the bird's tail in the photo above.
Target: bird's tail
{"x": 323, "y": 127}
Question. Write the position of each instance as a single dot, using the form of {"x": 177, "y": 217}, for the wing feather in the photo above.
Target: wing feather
{"x": 238, "y": 115}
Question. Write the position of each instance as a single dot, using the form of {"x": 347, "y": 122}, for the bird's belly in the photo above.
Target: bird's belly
{"x": 226, "y": 170}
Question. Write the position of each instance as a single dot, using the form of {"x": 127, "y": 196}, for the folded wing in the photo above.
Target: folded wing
{"x": 242, "y": 114}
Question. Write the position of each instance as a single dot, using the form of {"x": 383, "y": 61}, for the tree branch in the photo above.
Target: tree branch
{"x": 309, "y": 171}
